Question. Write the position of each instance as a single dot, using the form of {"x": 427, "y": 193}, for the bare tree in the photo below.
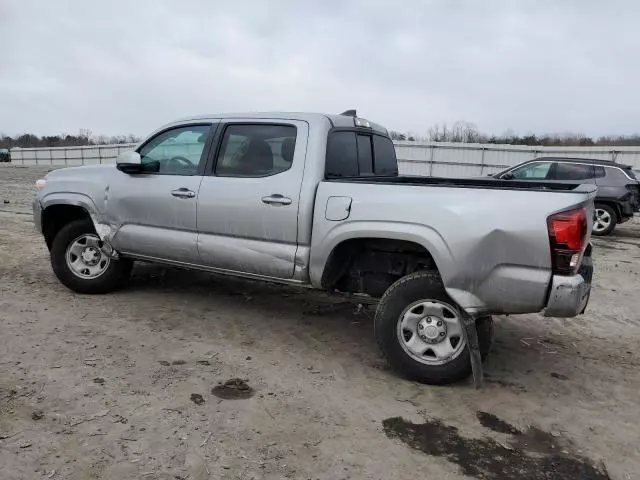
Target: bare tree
{"x": 85, "y": 133}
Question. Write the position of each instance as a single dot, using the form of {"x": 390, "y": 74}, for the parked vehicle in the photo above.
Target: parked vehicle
{"x": 618, "y": 188}
{"x": 4, "y": 155}
{"x": 316, "y": 200}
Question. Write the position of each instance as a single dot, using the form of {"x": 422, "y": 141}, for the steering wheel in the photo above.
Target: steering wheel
{"x": 181, "y": 162}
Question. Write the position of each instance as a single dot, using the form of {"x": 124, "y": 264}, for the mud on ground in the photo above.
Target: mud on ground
{"x": 188, "y": 375}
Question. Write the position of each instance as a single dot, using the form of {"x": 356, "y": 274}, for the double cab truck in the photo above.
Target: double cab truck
{"x": 316, "y": 200}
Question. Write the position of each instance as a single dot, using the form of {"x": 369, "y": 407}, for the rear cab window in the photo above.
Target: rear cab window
{"x": 386, "y": 163}
{"x": 355, "y": 153}
{"x": 365, "y": 155}
{"x": 342, "y": 155}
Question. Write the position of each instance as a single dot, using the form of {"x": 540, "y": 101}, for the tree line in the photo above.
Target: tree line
{"x": 83, "y": 137}
{"x": 459, "y": 132}
{"x": 465, "y": 132}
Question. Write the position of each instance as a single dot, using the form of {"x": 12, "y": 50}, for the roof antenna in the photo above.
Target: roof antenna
{"x": 350, "y": 113}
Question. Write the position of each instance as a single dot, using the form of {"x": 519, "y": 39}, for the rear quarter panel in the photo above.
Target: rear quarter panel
{"x": 612, "y": 188}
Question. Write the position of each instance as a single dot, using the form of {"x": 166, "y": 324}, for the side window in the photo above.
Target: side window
{"x": 256, "y": 150}
{"x": 384, "y": 156}
{"x": 573, "y": 171}
{"x": 532, "y": 171}
{"x": 365, "y": 155}
{"x": 616, "y": 176}
{"x": 177, "y": 151}
{"x": 342, "y": 155}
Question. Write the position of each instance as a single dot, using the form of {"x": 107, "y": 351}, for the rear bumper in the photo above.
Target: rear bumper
{"x": 627, "y": 209}
{"x": 570, "y": 294}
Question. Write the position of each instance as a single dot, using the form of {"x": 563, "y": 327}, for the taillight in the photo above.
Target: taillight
{"x": 568, "y": 239}
{"x": 634, "y": 193}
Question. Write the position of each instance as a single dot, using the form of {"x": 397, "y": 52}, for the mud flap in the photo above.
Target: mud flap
{"x": 471, "y": 336}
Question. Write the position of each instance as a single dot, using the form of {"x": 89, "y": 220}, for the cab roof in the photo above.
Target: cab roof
{"x": 336, "y": 120}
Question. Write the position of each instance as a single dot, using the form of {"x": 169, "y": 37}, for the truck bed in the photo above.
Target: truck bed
{"x": 488, "y": 238}
{"x": 489, "y": 183}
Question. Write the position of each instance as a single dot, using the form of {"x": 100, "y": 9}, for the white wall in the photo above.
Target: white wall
{"x": 71, "y": 156}
{"x": 474, "y": 159}
{"x": 427, "y": 159}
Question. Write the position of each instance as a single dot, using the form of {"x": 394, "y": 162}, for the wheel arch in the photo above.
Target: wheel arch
{"x": 423, "y": 237}
{"x": 612, "y": 204}
{"x": 376, "y": 258}
{"x": 58, "y": 211}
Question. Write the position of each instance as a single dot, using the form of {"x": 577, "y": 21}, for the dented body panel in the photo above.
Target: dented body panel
{"x": 489, "y": 242}
{"x": 491, "y": 246}
{"x": 86, "y": 187}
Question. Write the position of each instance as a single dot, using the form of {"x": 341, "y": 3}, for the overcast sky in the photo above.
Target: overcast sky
{"x": 118, "y": 67}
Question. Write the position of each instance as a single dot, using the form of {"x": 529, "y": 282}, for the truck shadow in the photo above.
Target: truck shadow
{"x": 263, "y": 315}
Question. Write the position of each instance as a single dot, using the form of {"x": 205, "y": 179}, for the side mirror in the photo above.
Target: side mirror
{"x": 507, "y": 176}
{"x": 131, "y": 162}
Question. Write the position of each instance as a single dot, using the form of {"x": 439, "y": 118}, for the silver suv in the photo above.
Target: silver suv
{"x": 618, "y": 195}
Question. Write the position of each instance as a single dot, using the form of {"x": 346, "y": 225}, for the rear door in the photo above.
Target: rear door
{"x": 248, "y": 201}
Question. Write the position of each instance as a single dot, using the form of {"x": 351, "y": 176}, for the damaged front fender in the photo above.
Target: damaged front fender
{"x": 106, "y": 232}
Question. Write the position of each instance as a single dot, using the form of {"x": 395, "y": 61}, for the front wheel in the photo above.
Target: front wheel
{"x": 80, "y": 264}
{"x": 605, "y": 221}
{"x": 420, "y": 331}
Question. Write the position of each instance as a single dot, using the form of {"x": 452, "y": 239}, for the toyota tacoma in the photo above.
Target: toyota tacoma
{"x": 316, "y": 200}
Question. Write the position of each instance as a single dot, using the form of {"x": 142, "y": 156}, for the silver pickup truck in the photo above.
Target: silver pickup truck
{"x": 316, "y": 200}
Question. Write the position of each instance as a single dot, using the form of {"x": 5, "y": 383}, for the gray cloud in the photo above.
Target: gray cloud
{"x": 126, "y": 67}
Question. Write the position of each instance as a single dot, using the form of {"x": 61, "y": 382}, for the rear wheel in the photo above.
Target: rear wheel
{"x": 420, "y": 331}
{"x": 605, "y": 221}
{"x": 80, "y": 264}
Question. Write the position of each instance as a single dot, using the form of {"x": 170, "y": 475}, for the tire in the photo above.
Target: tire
{"x": 424, "y": 288}
{"x": 603, "y": 212}
{"x": 111, "y": 276}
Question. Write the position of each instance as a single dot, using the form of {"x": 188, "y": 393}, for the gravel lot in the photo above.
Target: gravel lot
{"x": 123, "y": 386}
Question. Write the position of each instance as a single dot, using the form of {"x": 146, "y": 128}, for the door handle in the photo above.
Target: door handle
{"x": 183, "y": 193}
{"x": 276, "y": 199}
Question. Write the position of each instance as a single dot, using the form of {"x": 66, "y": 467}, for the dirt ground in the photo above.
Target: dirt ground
{"x": 127, "y": 385}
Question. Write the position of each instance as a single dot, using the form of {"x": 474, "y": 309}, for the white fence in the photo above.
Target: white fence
{"x": 70, "y": 156}
{"x": 474, "y": 159}
{"x": 425, "y": 159}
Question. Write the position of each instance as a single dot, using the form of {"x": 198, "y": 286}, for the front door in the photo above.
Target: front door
{"x": 248, "y": 204}
{"x": 156, "y": 211}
